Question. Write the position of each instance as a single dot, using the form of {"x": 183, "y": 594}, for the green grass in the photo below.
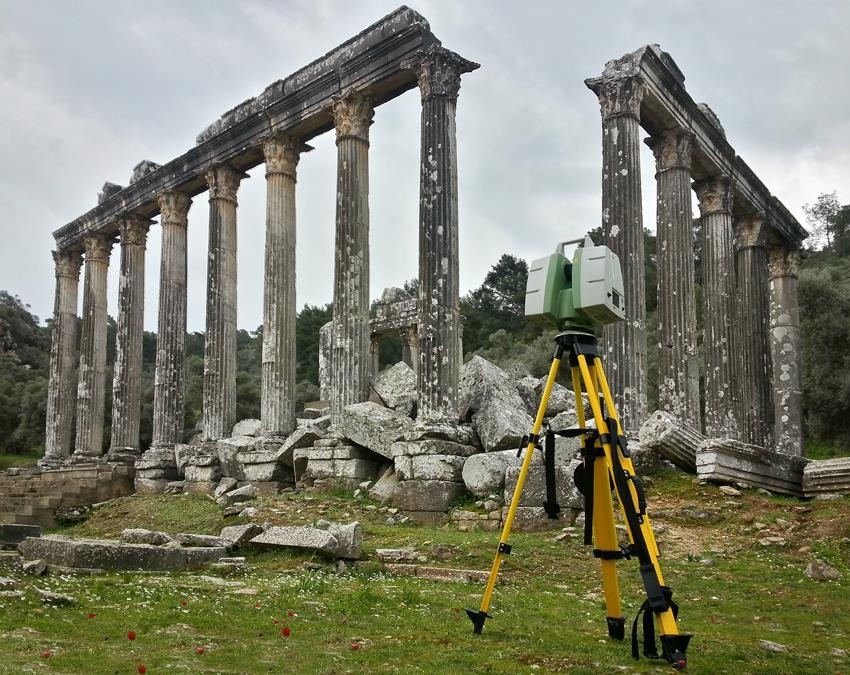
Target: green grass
{"x": 8, "y": 461}
{"x": 825, "y": 450}
{"x": 548, "y": 610}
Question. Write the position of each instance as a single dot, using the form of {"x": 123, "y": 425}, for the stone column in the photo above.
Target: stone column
{"x": 718, "y": 343}
{"x": 784, "y": 265}
{"x": 678, "y": 379}
{"x": 351, "y": 360}
{"x": 438, "y": 72}
{"x": 751, "y": 337}
{"x": 622, "y": 231}
{"x": 60, "y": 387}
{"x": 277, "y": 406}
{"x": 375, "y": 355}
{"x": 220, "y": 344}
{"x": 127, "y": 373}
{"x": 169, "y": 379}
{"x": 325, "y": 366}
{"x": 92, "y": 371}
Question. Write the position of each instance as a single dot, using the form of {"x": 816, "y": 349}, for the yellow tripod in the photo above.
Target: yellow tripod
{"x": 606, "y": 468}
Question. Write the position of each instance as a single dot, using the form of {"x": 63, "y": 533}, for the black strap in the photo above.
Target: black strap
{"x": 551, "y": 505}
{"x": 650, "y": 649}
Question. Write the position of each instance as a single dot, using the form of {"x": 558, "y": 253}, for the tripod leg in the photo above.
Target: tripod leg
{"x": 504, "y": 549}
{"x": 658, "y": 595}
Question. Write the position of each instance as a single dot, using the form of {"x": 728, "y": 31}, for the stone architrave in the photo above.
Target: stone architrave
{"x": 751, "y": 339}
{"x": 127, "y": 376}
{"x": 60, "y": 387}
{"x": 784, "y": 266}
{"x": 92, "y": 371}
{"x": 438, "y": 72}
{"x": 622, "y": 231}
{"x": 220, "y": 344}
{"x": 170, "y": 376}
{"x": 277, "y": 404}
{"x": 718, "y": 270}
{"x": 351, "y": 358}
{"x": 678, "y": 379}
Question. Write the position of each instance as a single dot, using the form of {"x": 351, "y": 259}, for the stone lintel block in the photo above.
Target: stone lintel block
{"x": 373, "y": 426}
{"x": 430, "y": 467}
{"x": 426, "y": 495}
{"x": 298, "y": 537}
{"x": 534, "y": 490}
{"x": 724, "y": 460}
{"x": 432, "y": 446}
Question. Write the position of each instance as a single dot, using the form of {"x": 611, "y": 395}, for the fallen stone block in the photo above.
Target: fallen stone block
{"x": 432, "y": 446}
{"x": 195, "y": 540}
{"x": 723, "y": 460}
{"x": 52, "y": 598}
{"x": 437, "y": 573}
{"x": 299, "y": 538}
{"x": 225, "y": 485}
{"x": 202, "y": 474}
{"x": 228, "y": 450}
{"x": 534, "y": 489}
{"x": 827, "y": 477}
{"x": 397, "y": 555}
{"x": 13, "y": 534}
{"x": 484, "y": 473}
{"x": 671, "y": 439}
{"x": 426, "y": 495}
{"x": 383, "y": 488}
{"x": 236, "y": 535}
{"x": 534, "y": 518}
{"x": 349, "y": 540}
{"x": 461, "y": 434}
{"x": 350, "y": 469}
{"x": 35, "y": 568}
{"x": 249, "y": 427}
{"x": 373, "y": 426}
{"x": 396, "y": 386}
{"x": 242, "y": 494}
{"x": 429, "y": 467}
{"x": 137, "y": 535}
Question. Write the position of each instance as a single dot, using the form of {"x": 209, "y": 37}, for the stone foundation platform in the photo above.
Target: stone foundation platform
{"x": 728, "y": 461}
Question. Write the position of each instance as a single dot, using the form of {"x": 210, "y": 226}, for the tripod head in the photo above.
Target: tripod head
{"x": 582, "y": 294}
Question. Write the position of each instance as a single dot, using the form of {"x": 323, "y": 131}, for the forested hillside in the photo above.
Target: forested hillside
{"x": 494, "y": 327}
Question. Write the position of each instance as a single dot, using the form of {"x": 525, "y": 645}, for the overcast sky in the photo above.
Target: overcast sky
{"x": 88, "y": 89}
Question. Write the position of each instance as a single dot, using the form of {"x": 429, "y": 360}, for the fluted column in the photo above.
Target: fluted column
{"x": 277, "y": 404}
{"x": 220, "y": 344}
{"x": 127, "y": 373}
{"x": 678, "y": 379}
{"x": 353, "y": 114}
{"x": 751, "y": 337}
{"x": 718, "y": 272}
{"x": 438, "y": 73}
{"x": 63, "y": 363}
{"x": 92, "y": 372}
{"x": 784, "y": 266}
{"x": 169, "y": 379}
{"x": 622, "y": 231}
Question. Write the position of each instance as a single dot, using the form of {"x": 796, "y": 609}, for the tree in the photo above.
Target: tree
{"x": 821, "y": 217}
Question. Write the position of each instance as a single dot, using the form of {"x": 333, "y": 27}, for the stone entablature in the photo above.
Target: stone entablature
{"x": 300, "y": 105}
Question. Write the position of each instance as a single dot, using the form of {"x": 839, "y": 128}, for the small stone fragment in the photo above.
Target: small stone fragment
{"x": 820, "y": 571}
{"x": 769, "y": 646}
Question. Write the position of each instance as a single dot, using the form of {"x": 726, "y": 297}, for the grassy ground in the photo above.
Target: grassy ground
{"x": 7, "y": 461}
{"x": 548, "y": 612}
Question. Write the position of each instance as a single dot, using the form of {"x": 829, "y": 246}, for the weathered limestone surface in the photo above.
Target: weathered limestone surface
{"x": 429, "y": 467}
{"x": 534, "y": 489}
{"x": 353, "y": 114}
{"x": 92, "y": 371}
{"x": 298, "y": 537}
{"x": 622, "y": 231}
{"x": 426, "y": 495}
{"x": 170, "y": 376}
{"x": 718, "y": 270}
{"x": 127, "y": 374}
{"x": 678, "y": 379}
{"x": 672, "y": 439}
{"x": 396, "y": 386}
{"x": 728, "y": 461}
{"x": 438, "y": 72}
{"x": 115, "y": 555}
{"x": 827, "y": 477}
{"x": 752, "y": 343}
{"x": 325, "y": 356}
{"x": 63, "y": 362}
{"x": 220, "y": 345}
{"x": 277, "y": 403}
{"x": 785, "y": 351}
{"x": 372, "y": 426}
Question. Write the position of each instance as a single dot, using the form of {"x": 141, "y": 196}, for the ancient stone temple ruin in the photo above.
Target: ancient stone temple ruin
{"x": 429, "y": 429}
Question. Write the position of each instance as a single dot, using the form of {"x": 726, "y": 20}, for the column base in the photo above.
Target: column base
{"x": 77, "y": 459}
{"x": 123, "y": 456}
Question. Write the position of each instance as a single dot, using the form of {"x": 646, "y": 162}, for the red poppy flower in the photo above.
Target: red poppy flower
{"x": 355, "y": 646}
{"x": 199, "y": 650}
{"x": 291, "y": 613}
{"x": 131, "y": 635}
{"x": 92, "y": 615}
{"x": 285, "y": 631}
{"x": 142, "y": 668}
{"x": 184, "y": 602}
{"x": 46, "y": 654}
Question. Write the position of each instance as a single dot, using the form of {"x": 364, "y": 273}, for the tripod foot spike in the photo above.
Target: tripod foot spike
{"x": 616, "y": 627}
{"x": 673, "y": 648}
{"x": 477, "y": 617}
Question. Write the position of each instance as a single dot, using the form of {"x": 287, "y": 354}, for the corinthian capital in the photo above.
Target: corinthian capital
{"x": 68, "y": 263}
{"x": 750, "y": 231}
{"x": 98, "y": 247}
{"x": 173, "y": 207}
{"x": 619, "y": 95}
{"x": 672, "y": 149}
{"x": 223, "y": 182}
{"x": 438, "y": 71}
{"x": 715, "y": 194}
{"x": 282, "y": 152}
{"x": 133, "y": 229}
{"x": 783, "y": 262}
{"x": 353, "y": 113}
